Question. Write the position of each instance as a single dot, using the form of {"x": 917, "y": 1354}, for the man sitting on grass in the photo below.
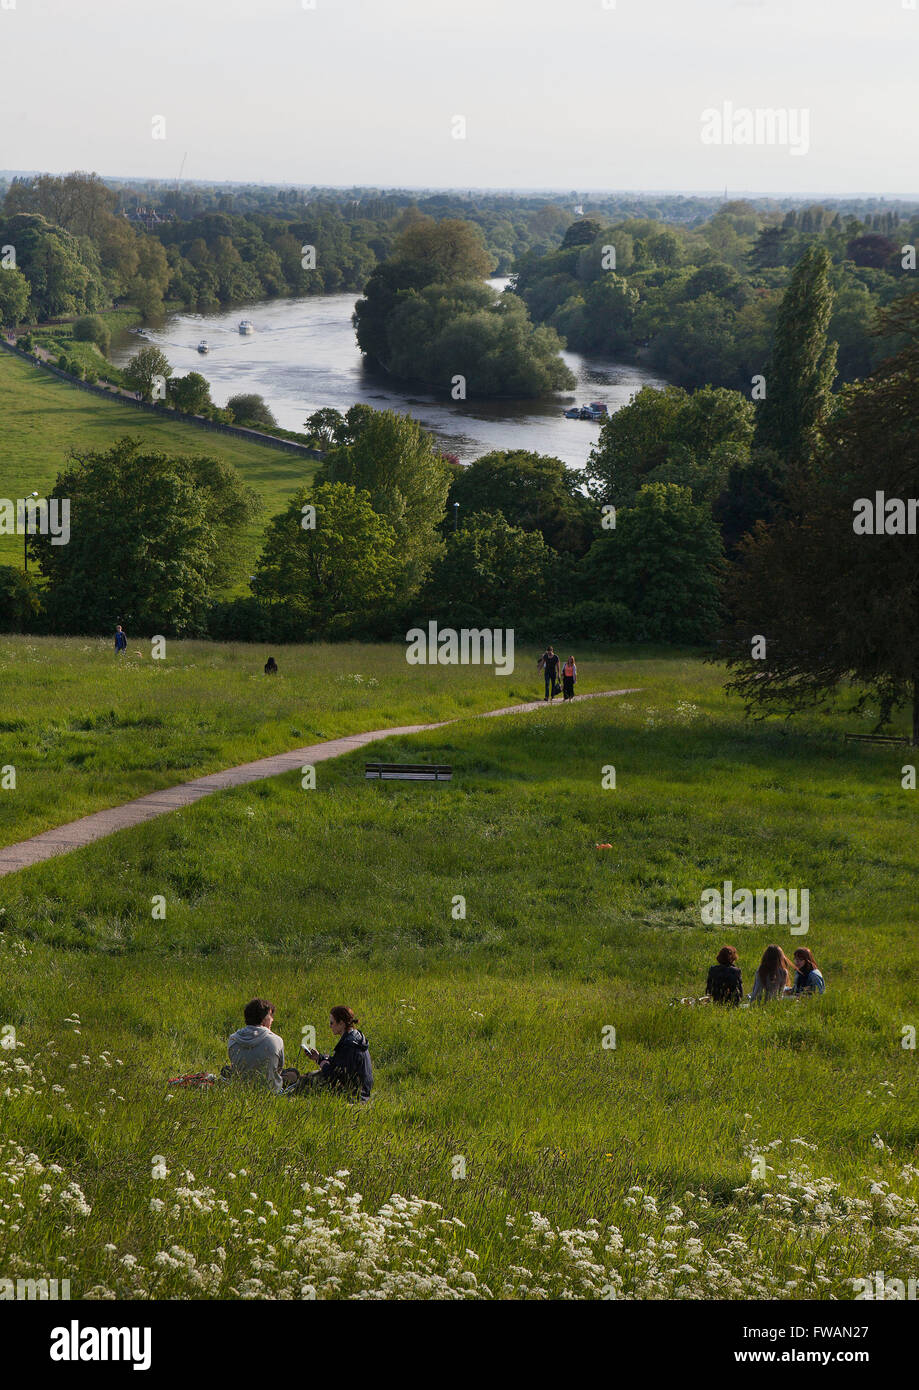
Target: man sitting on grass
{"x": 256, "y": 1053}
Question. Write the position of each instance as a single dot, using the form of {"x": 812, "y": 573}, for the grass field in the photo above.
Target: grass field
{"x": 42, "y": 418}
{"x": 559, "y": 1166}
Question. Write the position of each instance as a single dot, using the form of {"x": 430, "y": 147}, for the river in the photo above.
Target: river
{"x": 303, "y": 355}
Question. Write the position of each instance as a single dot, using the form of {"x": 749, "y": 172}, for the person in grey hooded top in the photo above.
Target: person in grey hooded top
{"x": 257, "y": 1053}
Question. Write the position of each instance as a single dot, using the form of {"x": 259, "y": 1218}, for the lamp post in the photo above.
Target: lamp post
{"x": 456, "y": 507}
{"x": 25, "y": 537}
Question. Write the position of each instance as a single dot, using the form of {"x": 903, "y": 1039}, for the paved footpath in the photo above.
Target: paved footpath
{"x": 84, "y": 831}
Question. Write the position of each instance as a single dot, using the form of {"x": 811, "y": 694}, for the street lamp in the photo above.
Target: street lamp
{"x": 25, "y": 538}
{"x": 456, "y": 507}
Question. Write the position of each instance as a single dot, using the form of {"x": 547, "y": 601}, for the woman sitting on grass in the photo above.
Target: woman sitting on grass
{"x": 772, "y": 975}
{"x": 808, "y": 979}
{"x": 725, "y": 983}
{"x": 349, "y": 1069}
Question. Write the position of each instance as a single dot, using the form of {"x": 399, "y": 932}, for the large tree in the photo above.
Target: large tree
{"x": 671, "y": 436}
{"x": 836, "y": 602}
{"x": 14, "y": 296}
{"x": 491, "y": 575}
{"x": 335, "y": 574}
{"x": 662, "y": 562}
{"x": 143, "y": 370}
{"x": 152, "y": 540}
{"x": 63, "y": 270}
{"x": 394, "y": 460}
{"x": 532, "y": 491}
{"x": 800, "y": 376}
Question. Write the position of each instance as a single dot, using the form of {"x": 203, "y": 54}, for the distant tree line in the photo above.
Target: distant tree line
{"x": 699, "y": 304}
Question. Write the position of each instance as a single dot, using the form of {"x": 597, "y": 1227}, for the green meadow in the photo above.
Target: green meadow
{"x": 43, "y": 418}
{"x": 549, "y": 1119}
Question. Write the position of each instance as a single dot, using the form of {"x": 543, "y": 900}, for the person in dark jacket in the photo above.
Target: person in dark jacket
{"x": 121, "y": 640}
{"x": 725, "y": 983}
{"x": 548, "y": 664}
{"x": 349, "y": 1069}
{"x": 271, "y": 667}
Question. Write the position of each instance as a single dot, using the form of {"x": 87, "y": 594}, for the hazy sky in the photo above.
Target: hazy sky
{"x": 567, "y": 94}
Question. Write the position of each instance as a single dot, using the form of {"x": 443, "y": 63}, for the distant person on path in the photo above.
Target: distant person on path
{"x": 349, "y": 1070}
{"x": 725, "y": 983}
{"x": 772, "y": 976}
{"x": 569, "y": 676}
{"x": 808, "y": 978}
{"x": 271, "y": 667}
{"x": 548, "y": 664}
{"x": 121, "y": 641}
{"x": 257, "y": 1053}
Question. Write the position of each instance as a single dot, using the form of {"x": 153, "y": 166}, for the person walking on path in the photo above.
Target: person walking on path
{"x": 548, "y": 664}
{"x": 569, "y": 676}
{"x": 121, "y": 641}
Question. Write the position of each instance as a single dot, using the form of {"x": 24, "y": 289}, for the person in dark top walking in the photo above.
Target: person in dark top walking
{"x": 548, "y": 664}
{"x": 349, "y": 1070}
{"x": 121, "y": 640}
{"x": 725, "y": 983}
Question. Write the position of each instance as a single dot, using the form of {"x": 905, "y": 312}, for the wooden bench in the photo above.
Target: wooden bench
{"x": 408, "y": 772}
{"x": 890, "y": 740}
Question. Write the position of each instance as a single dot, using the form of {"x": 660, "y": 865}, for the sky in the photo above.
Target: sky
{"x": 573, "y": 95}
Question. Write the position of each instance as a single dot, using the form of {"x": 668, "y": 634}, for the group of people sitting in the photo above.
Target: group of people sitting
{"x": 257, "y": 1054}
{"x": 773, "y": 979}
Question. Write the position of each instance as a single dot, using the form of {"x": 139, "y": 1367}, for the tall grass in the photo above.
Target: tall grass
{"x": 761, "y": 1152}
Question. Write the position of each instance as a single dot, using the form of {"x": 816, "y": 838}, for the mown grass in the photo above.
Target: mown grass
{"x": 487, "y": 1031}
{"x": 43, "y": 418}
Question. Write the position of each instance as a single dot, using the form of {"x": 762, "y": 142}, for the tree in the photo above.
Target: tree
{"x": 662, "y": 563}
{"x": 324, "y": 427}
{"x": 334, "y": 576}
{"x": 251, "y": 409}
{"x": 394, "y": 460}
{"x": 191, "y": 393}
{"x": 671, "y": 436}
{"x": 836, "y": 602}
{"x": 144, "y": 370}
{"x": 581, "y": 233}
{"x": 14, "y": 296}
{"x": 449, "y": 251}
{"x": 800, "y": 377}
{"x": 153, "y": 538}
{"x": 531, "y": 491}
{"x": 491, "y": 575}
{"x": 89, "y": 328}
{"x": 62, "y": 270}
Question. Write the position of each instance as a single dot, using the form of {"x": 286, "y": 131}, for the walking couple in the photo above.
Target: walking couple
{"x": 548, "y": 663}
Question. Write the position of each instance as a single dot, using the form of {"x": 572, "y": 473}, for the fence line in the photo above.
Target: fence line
{"x": 289, "y": 446}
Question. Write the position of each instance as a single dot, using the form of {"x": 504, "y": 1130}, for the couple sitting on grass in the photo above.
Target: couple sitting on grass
{"x": 773, "y": 978}
{"x": 257, "y": 1054}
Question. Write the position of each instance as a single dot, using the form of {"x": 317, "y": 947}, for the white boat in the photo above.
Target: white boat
{"x": 246, "y": 326}
{"x": 203, "y": 346}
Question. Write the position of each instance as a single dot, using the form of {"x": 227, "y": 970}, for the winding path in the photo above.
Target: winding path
{"x": 84, "y": 831}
